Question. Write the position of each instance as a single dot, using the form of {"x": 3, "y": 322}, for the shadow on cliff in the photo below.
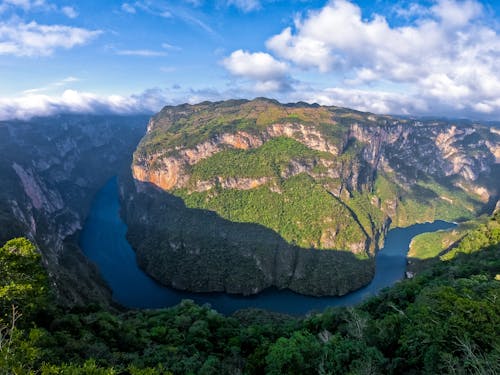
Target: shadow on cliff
{"x": 197, "y": 250}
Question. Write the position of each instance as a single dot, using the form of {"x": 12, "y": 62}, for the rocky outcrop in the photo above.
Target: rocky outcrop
{"x": 241, "y": 183}
{"x": 439, "y": 150}
{"x": 171, "y": 172}
{"x": 37, "y": 191}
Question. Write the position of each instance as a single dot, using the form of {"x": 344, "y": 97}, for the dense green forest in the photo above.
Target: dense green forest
{"x": 445, "y": 320}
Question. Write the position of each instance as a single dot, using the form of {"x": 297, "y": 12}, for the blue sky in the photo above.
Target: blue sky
{"x": 403, "y": 57}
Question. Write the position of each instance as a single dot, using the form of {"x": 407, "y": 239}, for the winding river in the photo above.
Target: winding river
{"x": 103, "y": 241}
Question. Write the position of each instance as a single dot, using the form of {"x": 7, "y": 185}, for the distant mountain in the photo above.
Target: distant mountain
{"x": 287, "y": 180}
{"x": 50, "y": 169}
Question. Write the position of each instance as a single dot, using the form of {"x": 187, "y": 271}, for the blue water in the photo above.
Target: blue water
{"x": 103, "y": 241}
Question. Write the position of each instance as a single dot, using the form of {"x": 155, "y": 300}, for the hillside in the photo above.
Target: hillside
{"x": 287, "y": 180}
{"x": 429, "y": 248}
{"x": 446, "y": 320}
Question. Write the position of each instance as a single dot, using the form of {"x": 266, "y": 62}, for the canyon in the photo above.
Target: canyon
{"x": 239, "y": 196}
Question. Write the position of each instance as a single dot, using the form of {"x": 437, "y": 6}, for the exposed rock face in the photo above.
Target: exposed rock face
{"x": 369, "y": 169}
{"x": 37, "y": 193}
{"x": 50, "y": 169}
{"x": 170, "y": 171}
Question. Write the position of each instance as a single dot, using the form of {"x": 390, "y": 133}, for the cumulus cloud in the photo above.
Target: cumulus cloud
{"x": 32, "y": 39}
{"x": 32, "y": 103}
{"x": 269, "y": 73}
{"x": 72, "y": 101}
{"x": 447, "y": 54}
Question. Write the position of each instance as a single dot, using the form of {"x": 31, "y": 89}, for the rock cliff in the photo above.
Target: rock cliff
{"x": 50, "y": 170}
{"x": 263, "y": 186}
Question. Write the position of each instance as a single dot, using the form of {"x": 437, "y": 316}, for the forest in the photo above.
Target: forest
{"x": 444, "y": 320}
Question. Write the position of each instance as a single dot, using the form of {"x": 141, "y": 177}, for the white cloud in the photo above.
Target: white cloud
{"x": 36, "y": 5}
{"x": 259, "y": 65}
{"x": 25, "y": 5}
{"x": 270, "y": 74}
{"x": 141, "y": 52}
{"x": 410, "y": 10}
{"x": 245, "y": 5}
{"x": 53, "y": 85}
{"x": 128, "y": 8}
{"x": 33, "y": 39}
{"x": 69, "y": 12}
{"x": 170, "y": 47}
{"x": 364, "y": 100}
{"x": 456, "y": 14}
{"x": 71, "y": 101}
{"x": 448, "y": 55}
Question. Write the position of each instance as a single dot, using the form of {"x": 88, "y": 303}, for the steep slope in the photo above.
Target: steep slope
{"x": 319, "y": 177}
{"x": 429, "y": 248}
{"x": 50, "y": 168}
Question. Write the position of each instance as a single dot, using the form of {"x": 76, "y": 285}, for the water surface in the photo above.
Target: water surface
{"x": 103, "y": 241}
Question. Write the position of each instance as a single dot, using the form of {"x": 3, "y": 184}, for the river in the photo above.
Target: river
{"x": 103, "y": 241}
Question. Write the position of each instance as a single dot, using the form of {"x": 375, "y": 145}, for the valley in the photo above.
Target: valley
{"x": 104, "y": 242}
{"x": 298, "y": 232}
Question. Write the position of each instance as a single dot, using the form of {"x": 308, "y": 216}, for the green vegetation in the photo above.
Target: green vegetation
{"x": 430, "y": 245}
{"x": 301, "y": 213}
{"x": 23, "y": 281}
{"x": 368, "y": 215}
{"x": 445, "y": 320}
{"x": 485, "y": 235}
{"x": 372, "y": 176}
{"x": 424, "y": 201}
{"x": 190, "y": 125}
{"x": 269, "y": 160}
{"x": 467, "y": 237}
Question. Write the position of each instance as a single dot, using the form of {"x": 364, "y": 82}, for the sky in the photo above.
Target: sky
{"x": 430, "y": 58}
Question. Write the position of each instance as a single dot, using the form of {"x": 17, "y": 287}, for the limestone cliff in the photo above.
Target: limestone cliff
{"x": 317, "y": 177}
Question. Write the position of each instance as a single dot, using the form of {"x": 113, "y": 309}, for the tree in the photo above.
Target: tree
{"x": 299, "y": 354}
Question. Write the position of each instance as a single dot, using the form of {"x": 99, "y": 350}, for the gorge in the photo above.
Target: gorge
{"x": 103, "y": 241}
{"x": 241, "y": 196}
